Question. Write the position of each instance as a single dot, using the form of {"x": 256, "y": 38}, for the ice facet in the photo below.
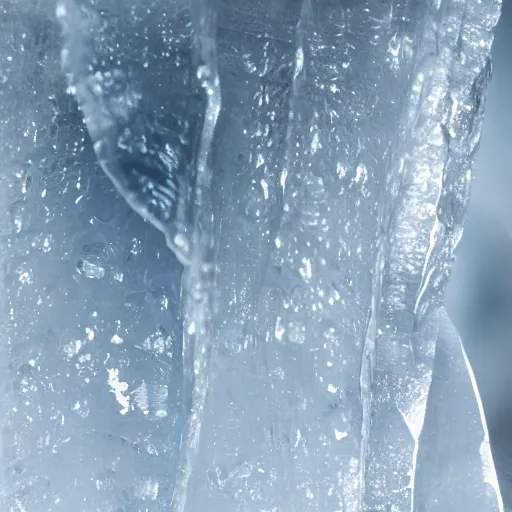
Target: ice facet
{"x": 354, "y": 133}
{"x": 455, "y": 446}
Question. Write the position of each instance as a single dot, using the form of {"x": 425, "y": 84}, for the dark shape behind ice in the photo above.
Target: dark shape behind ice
{"x": 146, "y": 162}
{"x": 131, "y": 71}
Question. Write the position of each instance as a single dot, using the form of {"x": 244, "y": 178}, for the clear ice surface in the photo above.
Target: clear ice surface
{"x": 309, "y": 162}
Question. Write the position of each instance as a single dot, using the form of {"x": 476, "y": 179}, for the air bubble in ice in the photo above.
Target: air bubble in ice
{"x": 90, "y": 270}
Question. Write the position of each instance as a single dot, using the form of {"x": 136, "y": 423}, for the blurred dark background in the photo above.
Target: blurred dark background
{"x": 479, "y": 298}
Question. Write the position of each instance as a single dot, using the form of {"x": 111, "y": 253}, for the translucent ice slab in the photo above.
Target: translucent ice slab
{"x": 309, "y": 163}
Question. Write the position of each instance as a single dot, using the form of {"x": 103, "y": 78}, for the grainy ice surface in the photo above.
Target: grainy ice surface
{"x": 309, "y": 163}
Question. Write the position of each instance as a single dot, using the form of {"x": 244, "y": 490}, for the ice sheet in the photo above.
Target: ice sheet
{"x": 309, "y": 163}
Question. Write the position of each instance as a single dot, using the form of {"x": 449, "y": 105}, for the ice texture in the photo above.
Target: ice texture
{"x": 142, "y": 102}
{"x": 91, "y": 354}
{"x": 341, "y": 174}
{"x": 310, "y": 163}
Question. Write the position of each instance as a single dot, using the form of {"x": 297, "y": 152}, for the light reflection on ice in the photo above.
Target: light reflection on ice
{"x": 118, "y": 388}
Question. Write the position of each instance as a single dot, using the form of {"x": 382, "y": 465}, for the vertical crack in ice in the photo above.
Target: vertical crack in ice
{"x": 298, "y": 74}
{"x": 414, "y": 468}
{"x": 368, "y": 363}
{"x": 199, "y": 280}
{"x": 426, "y": 273}
{"x": 297, "y": 79}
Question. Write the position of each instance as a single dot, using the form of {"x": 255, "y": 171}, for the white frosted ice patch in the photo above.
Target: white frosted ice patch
{"x": 119, "y": 388}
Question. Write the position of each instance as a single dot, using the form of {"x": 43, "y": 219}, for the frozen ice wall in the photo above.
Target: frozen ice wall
{"x": 309, "y": 162}
{"x": 91, "y": 370}
{"x": 341, "y": 172}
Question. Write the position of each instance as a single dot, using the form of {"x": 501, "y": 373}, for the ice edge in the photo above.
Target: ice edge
{"x": 198, "y": 280}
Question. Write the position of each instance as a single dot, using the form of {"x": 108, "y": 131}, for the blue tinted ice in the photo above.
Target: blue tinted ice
{"x": 309, "y": 164}
{"x": 132, "y": 71}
